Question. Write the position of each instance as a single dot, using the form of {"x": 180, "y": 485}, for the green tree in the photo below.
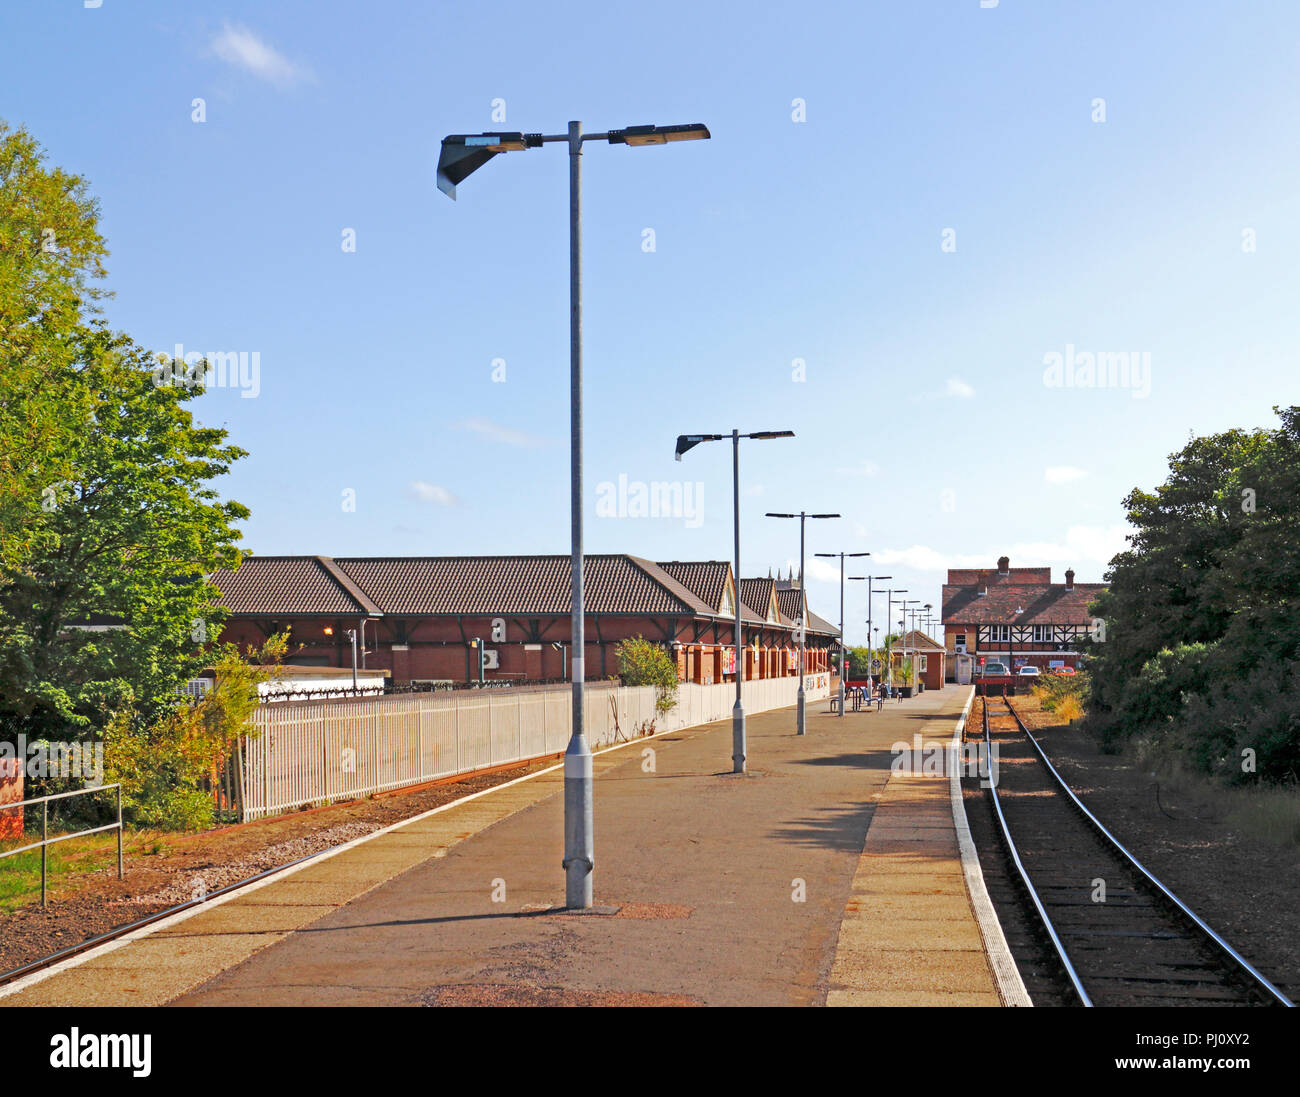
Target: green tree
{"x": 859, "y": 663}
{"x": 643, "y": 663}
{"x": 51, "y": 252}
{"x": 131, "y": 531}
{"x": 1199, "y": 647}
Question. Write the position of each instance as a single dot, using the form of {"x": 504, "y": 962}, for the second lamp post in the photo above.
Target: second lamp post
{"x": 801, "y": 718}
{"x": 690, "y": 441}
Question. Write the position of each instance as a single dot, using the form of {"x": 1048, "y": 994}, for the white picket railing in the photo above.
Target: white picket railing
{"x": 314, "y": 752}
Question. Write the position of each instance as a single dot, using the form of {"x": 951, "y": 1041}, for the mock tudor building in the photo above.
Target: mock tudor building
{"x": 428, "y": 617}
{"x": 1016, "y": 616}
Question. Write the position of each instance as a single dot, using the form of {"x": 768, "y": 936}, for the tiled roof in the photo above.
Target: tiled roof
{"x": 517, "y": 584}
{"x": 790, "y": 602}
{"x": 285, "y": 586}
{"x": 756, "y": 596}
{"x": 1049, "y": 604}
{"x": 917, "y": 640}
{"x": 706, "y": 579}
{"x": 294, "y": 585}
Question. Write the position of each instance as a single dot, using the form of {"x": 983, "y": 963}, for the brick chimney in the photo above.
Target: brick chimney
{"x": 1069, "y": 578}
{"x": 1004, "y": 565}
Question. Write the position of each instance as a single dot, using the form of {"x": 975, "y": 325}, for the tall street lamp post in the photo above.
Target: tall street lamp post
{"x": 684, "y": 443}
{"x": 844, "y": 649}
{"x": 461, "y": 155}
{"x": 801, "y": 721}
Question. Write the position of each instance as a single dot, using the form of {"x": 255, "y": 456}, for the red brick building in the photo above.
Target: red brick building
{"x": 421, "y": 615}
{"x": 1017, "y": 616}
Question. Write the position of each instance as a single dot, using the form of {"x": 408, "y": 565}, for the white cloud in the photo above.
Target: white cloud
{"x": 240, "y": 47}
{"x": 1063, "y": 474}
{"x": 1083, "y": 546}
{"x": 824, "y": 571}
{"x": 431, "y": 493}
{"x": 506, "y": 436}
{"x": 957, "y": 387}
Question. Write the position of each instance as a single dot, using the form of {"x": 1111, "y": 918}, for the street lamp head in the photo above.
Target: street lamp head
{"x": 770, "y": 434}
{"x": 464, "y": 153}
{"x": 659, "y": 135}
{"x": 690, "y": 441}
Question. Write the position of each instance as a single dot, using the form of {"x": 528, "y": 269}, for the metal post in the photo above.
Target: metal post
{"x": 352, "y": 635}
{"x": 844, "y": 651}
{"x": 889, "y": 655}
{"x": 579, "y": 847}
{"x": 45, "y": 837}
{"x": 738, "y": 712}
{"x": 119, "y": 832}
{"x": 801, "y": 725}
{"x": 871, "y": 644}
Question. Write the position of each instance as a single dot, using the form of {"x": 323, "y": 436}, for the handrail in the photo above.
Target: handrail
{"x": 46, "y": 841}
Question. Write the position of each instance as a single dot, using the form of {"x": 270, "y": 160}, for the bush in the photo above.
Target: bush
{"x": 163, "y": 769}
{"x": 642, "y": 663}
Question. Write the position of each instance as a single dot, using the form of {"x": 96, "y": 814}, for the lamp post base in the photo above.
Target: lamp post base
{"x": 801, "y": 719}
{"x": 579, "y": 850}
{"x": 738, "y": 738}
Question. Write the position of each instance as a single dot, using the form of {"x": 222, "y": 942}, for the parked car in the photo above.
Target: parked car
{"x": 993, "y": 670}
{"x": 1028, "y": 672}
{"x": 1067, "y": 671}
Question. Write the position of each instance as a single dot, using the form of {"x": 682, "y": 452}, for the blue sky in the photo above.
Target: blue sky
{"x": 923, "y": 415}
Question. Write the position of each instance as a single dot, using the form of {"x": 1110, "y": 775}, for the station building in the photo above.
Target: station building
{"x": 928, "y": 658}
{"x": 1016, "y": 616}
{"x": 427, "y": 618}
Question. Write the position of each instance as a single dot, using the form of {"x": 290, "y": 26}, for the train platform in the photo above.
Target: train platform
{"x": 820, "y": 877}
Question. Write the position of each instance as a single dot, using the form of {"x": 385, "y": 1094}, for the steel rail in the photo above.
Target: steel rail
{"x": 1278, "y": 998}
{"x": 1061, "y": 953}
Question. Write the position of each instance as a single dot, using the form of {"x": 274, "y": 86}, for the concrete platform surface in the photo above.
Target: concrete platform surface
{"x": 817, "y": 878}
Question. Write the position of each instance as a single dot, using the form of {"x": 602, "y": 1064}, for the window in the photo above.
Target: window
{"x": 958, "y": 641}
{"x": 999, "y": 634}
{"x": 1043, "y": 634}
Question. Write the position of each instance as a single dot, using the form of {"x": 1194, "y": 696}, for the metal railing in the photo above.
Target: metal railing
{"x": 46, "y": 841}
{"x": 317, "y": 752}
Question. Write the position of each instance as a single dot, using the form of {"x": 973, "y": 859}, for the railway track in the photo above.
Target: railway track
{"x": 1120, "y": 936}
{"x": 118, "y": 932}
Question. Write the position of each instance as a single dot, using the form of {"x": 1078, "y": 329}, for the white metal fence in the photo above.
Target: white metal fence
{"x": 312, "y": 752}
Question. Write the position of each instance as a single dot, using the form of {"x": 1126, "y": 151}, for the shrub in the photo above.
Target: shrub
{"x": 643, "y": 663}
{"x": 163, "y": 768}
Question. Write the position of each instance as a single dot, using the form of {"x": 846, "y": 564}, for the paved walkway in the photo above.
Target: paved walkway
{"x": 816, "y": 878}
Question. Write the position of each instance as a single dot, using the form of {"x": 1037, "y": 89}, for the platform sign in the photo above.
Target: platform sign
{"x": 728, "y": 660}
{"x": 875, "y": 664}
